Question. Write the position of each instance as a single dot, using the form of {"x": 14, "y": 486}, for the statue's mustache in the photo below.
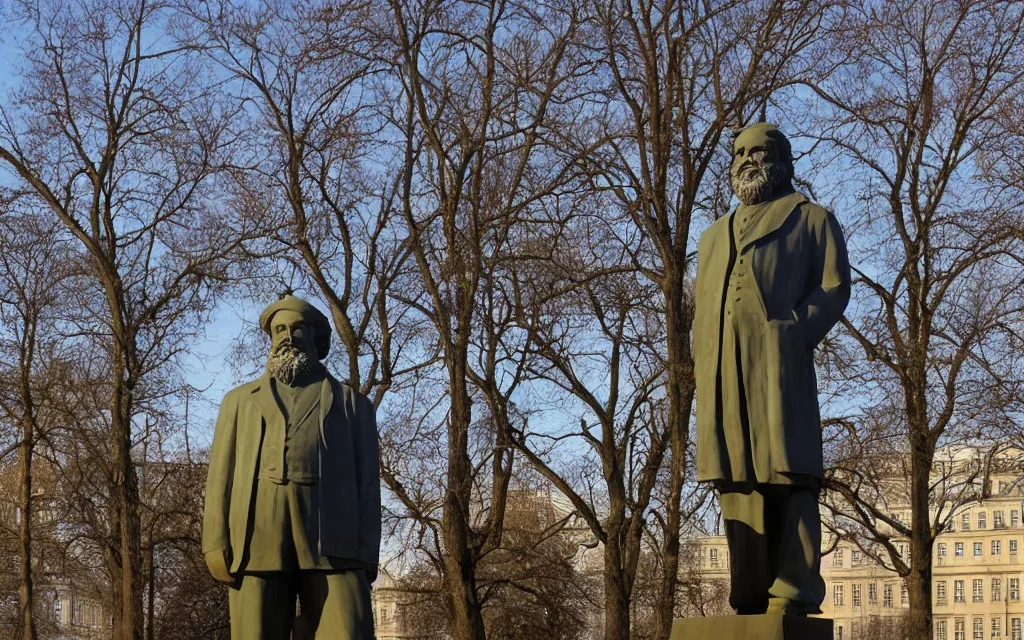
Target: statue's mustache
{"x": 285, "y": 344}
{"x": 747, "y": 168}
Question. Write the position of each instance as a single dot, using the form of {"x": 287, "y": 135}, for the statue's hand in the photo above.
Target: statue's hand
{"x": 217, "y": 563}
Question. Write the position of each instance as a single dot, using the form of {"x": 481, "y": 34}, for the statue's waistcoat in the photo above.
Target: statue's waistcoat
{"x": 290, "y": 452}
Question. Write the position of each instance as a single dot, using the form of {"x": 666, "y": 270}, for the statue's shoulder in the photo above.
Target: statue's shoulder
{"x": 243, "y": 390}
{"x": 716, "y": 228}
{"x": 343, "y": 388}
{"x": 814, "y": 211}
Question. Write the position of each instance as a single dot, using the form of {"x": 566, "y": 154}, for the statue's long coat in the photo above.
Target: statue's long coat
{"x": 349, "y": 485}
{"x": 798, "y": 257}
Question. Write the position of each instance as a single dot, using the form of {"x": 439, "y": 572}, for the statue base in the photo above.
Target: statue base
{"x": 759, "y": 627}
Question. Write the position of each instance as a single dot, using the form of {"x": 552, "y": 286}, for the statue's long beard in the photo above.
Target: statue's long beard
{"x": 760, "y": 184}
{"x": 289, "y": 365}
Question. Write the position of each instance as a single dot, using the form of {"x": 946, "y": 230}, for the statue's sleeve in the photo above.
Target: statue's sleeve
{"x": 824, "y": 306}
{"x": 368, "y": 470}
{"x": 219, "y": 477}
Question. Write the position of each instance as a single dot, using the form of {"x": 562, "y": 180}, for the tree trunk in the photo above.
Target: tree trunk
{"x": 125, "y": 519}
{"x": 27, "y": 620}
{"x": 25, "y": 451}
{"x": 680, "y": 390}
{"x": 919, "y": 582}
{"x": 467, "y": 617}
{"x": 131, "y": 571}
{"x": 151, "y": 604}
{"x": 616, "y": 589}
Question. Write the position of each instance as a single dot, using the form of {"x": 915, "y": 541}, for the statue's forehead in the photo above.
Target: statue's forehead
{"x": 758, "y": 135}
{"x": 287, "y": 317}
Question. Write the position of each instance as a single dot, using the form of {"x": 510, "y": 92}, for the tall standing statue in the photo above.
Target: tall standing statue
{"x": 293, "y": 493}
{"x": 772, "y": 280}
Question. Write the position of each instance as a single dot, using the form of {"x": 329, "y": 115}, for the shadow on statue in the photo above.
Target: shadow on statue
{"x": 773, "y": 278}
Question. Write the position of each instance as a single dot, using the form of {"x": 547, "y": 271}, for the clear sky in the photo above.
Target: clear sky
{"x": 208, "y": 366}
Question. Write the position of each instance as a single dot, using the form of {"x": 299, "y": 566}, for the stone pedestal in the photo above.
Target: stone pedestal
{"x": 762, "y": 627}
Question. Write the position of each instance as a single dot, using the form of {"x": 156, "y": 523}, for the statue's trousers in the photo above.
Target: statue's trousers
{"x": 333, "y": 605}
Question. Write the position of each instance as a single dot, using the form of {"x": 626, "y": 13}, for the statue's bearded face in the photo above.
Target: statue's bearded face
{"x": 757, "y": 174}
{"x": 292, "y": 351}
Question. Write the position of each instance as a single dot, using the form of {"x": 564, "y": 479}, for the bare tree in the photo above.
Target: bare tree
{"x": 478, "y": 85}
{"x": 120, "y": 139}
{"x": 598, "y": 355}
{"x": 312, "y": 178}
{"x": 938, "y": 287}
{"x": 183, "y": 600}
{"x": 533, "y": 586}
{"x": 35, "y": 266}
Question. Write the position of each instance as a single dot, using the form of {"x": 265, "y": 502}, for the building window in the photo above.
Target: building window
{"x": 977, "y": 549}
{"x": 904, "y": 551}
{"x": 1015, "y": 632}
{"x": 855, "y": 558}
{"x": 873, "y": 593}
{"x": 958, "y": 549}
{"x": 1013, "y": 547}
{"x": 904, "y": 596}
{"x": 997, "y": 547}
{"x": 979, "y": 629}
{"x": 1014, "y": 589}
{"x": 855, "y": 597}
{"x": 965, "y": 522}
{"x": 837, "y": 595}
{"x": 997, "y": 590}
{"x": 1014, "y": 518}
{"x": 996, "y": 628}
{"x": 837, "y": 558}
{"x": 839, "y": 632}
{"x": 982, "y": 520}
{"x": 713, "y": 555}
{"x": 958, "y": 591}
{"x": 940, "y": 630}
{"x": 997, "y": 520}
{"x": 887, "y": 596}
{"x": 942, "y": 549}
{"x": 978, "y": 592}
{"x": 958, "y": 630}
{"x": 940, "y": 593}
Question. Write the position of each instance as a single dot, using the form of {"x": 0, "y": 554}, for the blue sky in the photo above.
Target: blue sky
{"x": 208, "y": 366}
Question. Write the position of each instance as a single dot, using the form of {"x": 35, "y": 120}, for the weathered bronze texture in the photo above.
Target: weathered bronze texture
{"x": 293, "y": 492}
{"x": 772, "y": 279}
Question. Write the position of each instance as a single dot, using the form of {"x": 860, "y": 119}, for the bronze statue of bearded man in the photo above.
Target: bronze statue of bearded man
{"x": 293, "y": 493}
{"x": 772, "y": 279}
